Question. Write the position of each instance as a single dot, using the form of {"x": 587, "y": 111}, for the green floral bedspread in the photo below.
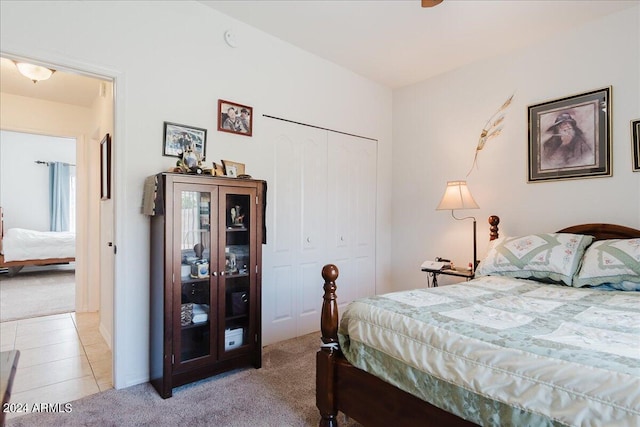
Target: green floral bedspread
{"x": 505, "y": 352}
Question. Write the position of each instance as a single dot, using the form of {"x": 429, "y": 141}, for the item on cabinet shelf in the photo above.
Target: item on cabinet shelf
{"x": 241, "y": 255}
{"x": 233, "y": 338}
{"x": 186, "y": 314}
{"x": 237, "y": 217}
{"x": 200, "y": 269}
{"x": 244, "y": 176}
{"x": 198, "y": 249}
{"x": 239, "y": 303}
{"x": 231, "y": 262}
{"x": 218, "y": 169}
{"x": 185, "y": 270}
{"x": 200, "y": 313}
{"x": 233, "y": 169}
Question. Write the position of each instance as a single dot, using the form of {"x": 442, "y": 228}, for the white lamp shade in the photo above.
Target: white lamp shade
{"x": 457, "y": 196}
{"x": 34, "y": 72}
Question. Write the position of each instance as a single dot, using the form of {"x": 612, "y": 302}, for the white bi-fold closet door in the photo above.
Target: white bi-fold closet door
{"x": 321, "y": 208}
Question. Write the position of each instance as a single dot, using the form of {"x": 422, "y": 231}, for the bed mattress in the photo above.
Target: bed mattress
{"x": 20, "y": 244}
{"x": 500, "y": 351}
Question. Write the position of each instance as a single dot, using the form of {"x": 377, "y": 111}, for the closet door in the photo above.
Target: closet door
{"x": 352, "y": 214}
{"x": 296, "y": 215}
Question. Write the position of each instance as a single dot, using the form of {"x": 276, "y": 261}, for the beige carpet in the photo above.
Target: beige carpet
{"x": 281, "y": 393}
{"x": 36, "y": 293}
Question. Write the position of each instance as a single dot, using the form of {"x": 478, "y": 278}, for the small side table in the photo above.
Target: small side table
{"x": 467, "y": 274}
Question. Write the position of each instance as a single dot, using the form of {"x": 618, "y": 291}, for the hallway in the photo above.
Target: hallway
{"x": 62, "y": 358}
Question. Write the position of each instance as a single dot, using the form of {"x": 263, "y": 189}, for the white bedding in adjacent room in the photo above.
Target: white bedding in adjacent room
{"x": 19, "y": 244}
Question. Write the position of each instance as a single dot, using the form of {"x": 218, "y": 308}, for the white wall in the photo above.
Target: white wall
{"x": 170, "y": 63}
{"x": 24, "y": 184}
{"x": 436, "y": 128}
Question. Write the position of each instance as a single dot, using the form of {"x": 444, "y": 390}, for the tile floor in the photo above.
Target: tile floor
{"x": 62, "y": 358}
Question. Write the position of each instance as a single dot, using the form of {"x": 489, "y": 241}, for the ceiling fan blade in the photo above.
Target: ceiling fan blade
{"x": 430, "y": 3}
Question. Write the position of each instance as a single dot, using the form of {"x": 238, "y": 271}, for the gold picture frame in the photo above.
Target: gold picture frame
{"x": 233, "y": 169}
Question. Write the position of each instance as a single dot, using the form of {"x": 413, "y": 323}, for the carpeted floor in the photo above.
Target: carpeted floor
{"x": 281, "y": 393}
{"x": 37, "y": 293}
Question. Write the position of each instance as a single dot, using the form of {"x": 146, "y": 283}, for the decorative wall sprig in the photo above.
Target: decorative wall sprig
{"x": 491, "y": 129}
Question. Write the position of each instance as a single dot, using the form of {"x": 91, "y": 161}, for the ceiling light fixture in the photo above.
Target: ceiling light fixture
{"x": 35, "y": 73}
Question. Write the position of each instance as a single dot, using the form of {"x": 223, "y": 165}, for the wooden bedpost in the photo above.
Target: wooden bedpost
{"x": 329, "y": 319}
{"x": 493, "y": 230}
{"x": 325, "y": 368}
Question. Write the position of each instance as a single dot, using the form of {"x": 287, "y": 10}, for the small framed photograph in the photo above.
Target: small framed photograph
{"x": 105, "y": 168}
{"x": 635, "y": 144}
{"x": 178, "y": 137}
{"x": 570, "y": 138}
{"x": 233, "y": 169}
{"x": 235, "y": 118}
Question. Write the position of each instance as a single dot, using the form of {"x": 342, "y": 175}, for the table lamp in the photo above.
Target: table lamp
{"x": 457, "y": 196}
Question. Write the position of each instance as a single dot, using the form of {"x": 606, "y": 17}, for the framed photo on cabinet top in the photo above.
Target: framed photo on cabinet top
{"x": 233, "y": 169}
{"x": 570, "y": 138}
{"x": 235, "y": 118}
{"x": 635, "y": 144}
{"x": 177, "y": 138}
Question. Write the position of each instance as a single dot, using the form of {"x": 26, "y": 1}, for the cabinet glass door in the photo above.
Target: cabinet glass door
{"x": 237, "y": 292}
{"x": 194, "y": 288}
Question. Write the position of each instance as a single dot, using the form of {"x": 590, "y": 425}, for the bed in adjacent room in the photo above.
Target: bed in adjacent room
{"x": 21, "y": 247}
{"x": 547, "y": 334}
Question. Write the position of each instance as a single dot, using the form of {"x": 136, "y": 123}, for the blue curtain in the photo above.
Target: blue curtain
{"x": 59, "y": 196}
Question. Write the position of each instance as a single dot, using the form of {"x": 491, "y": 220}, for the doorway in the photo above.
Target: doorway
{"x": 78, "y": 105}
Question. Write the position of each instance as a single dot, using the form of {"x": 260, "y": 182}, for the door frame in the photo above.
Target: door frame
{"x": 66, "y": 64}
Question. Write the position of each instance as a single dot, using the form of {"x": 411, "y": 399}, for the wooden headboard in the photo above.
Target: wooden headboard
{"x": 601, "y": 231}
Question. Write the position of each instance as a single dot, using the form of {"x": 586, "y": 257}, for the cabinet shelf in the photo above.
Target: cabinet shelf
{"x": 235, "y": 275}
{"x": 195, "y": 325}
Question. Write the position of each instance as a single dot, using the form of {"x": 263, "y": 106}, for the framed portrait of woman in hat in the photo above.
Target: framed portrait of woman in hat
{"x": 570, "y": 138}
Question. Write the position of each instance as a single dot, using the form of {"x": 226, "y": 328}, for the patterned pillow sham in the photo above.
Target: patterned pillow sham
{"x": 610, "y": 261}
{"x": 551, "y": 257}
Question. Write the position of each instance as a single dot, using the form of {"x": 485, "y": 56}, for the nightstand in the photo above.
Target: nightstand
{"x": 459, "y": 272}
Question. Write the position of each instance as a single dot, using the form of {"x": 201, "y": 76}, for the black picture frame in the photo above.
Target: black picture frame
{"x": 105, "y": 168}
{"x": 240, "y": 124}
{"x": 635, "y": 144}
{"x": 570, "y": 138}
{"x": 177, "y": 137}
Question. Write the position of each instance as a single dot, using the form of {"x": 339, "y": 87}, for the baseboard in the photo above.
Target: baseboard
{"x": 106, "y": 335}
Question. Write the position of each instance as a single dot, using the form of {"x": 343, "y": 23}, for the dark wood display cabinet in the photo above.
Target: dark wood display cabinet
{"x": 206, "y": 253}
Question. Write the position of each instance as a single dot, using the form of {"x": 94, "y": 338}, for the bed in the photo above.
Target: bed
{"x": 21, "y": 247}
{"x": 496, "y": 350}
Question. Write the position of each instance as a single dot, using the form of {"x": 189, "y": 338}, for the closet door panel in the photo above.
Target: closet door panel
{"x": 296, "y": 214}
{"x": 352, "y": 227}
{"x": 280, "y": 256}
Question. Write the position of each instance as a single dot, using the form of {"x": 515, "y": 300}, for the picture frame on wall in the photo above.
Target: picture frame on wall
{"x": 235, "y": 118}
{"x": 635, "y": 144}
{"x": 178, "y": 137}
{"x": 570, "y": 138}
{"x": 105, "y": 168}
